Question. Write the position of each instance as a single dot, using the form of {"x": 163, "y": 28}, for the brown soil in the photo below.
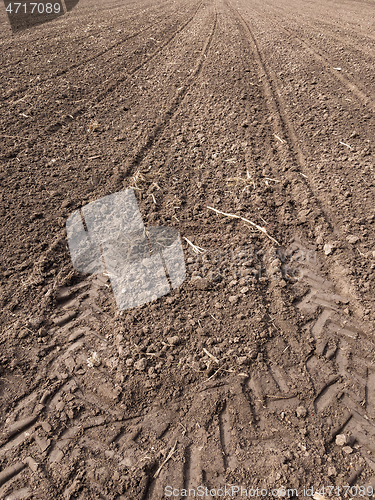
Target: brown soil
{"x": 247, "y": 372}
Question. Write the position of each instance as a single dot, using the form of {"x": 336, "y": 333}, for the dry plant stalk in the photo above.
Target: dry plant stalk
{"x": 166, "y": 460}
{"x": 140, "y": 178}
{"x": 259, "y": 228}
{"x": 248, "y": 180}
{"x": 210, "y": 355}
{"x": 14, "y": 137}
{"x": 195, "y": 248}
{"x": 93, "y": 127}
{"x": 279, "y": 139}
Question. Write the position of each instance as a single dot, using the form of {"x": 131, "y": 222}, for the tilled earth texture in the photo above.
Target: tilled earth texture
{"x": 258, "y": 371}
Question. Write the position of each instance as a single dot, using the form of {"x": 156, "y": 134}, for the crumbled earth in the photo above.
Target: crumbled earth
{"x": 259, "y": 370}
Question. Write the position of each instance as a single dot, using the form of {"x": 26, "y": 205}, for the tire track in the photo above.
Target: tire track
{"x": 314, "y": 26}
{"x": 61, "y": 73}
{"x": 111, "y": 85}
{"x": 291, "y": 150}
{"x": 331, "y": 26}
{"x": 274, "y": 101}
{"x": 231, "y": 412}
{"x": 168, "y": 115}
{"x": 329, "y": 66}
{"x": 142, "y": 444}
{"x": 342, "y": 367}
{"x": 28, "y": 37}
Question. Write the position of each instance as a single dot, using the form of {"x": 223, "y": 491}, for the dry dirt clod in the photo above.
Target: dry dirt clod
{"x": 173, "y": 340}
{"x": 301, "y": 412}
{"x": 243, "y": 360}
{"x": 93, "y": 127}
{"x": 31, "y": 463}
{"x": 141, "y": 364}
{"x": 93, "y": 360}
{"x": 331, "y": 472}
{"x": 341, "y": 439}
{"x": 35, "y": 322}
{"x": 201, "y": 283}
{"x": 351, "y": 238}
{"x": 329, "y": 248}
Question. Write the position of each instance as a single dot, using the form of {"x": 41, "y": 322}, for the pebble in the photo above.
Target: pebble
{"x": 242, "y": 360}
{"x": 301, "y": 412}
{"x": 31, "y": 463}
{"x": 35, "y": 322}
{"x": 65, "y": 204}
{"x": 328, "y": 248}
{"x": 54, "y": 193}
{"x": 276, "y": 263}
{"x": 46, "y": 426}
{"x": 352, "y": 239}
{"x": 23, "y": 333}
{"x": 93, "y": 360}
{"x": 244, "y": 290}
{"x": 201, "y": 284}
{"x": 233, "y": 299}
{"x": 141, "y": 364}
{"x": 341, "y": 439}
{"x": 331, "y": 471}
{"x": 347, "y": 449}
{"x": 173, "y": 340}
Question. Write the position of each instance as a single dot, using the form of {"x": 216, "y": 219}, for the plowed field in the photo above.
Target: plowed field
{"x": 259, "y": 370}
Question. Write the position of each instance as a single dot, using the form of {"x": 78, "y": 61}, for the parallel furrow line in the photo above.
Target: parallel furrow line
{"x": 109, "y": 88}
{"x": 64, "y": 71}
{"x": 277, "y": 107}
{"x": 171, "y": 111}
